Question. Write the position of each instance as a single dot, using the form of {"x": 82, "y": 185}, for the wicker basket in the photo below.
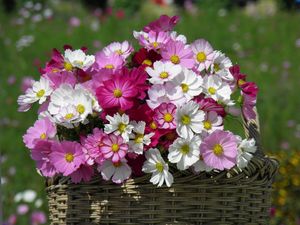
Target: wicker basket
{"x": 207, "y": 198}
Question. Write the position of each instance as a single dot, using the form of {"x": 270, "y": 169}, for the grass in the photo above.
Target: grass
{"x": 264, "y": 48}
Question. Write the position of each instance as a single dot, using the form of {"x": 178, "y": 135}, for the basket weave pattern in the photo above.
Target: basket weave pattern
{"x": 206, "y": 198}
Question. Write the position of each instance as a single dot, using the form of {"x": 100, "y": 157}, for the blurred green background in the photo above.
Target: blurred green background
{"x": 263, "y": 37}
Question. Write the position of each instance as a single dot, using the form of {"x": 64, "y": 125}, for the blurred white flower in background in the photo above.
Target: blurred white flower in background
{"x": 24, "y": 41}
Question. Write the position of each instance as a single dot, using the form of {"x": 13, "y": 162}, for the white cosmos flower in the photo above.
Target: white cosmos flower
{"x": 68, "y": 115}
{"x": 139, "y": 138}
{"x": 29, "y": 196}
{"x": 212, "y": 122}
{"x": 217, "y": 89}
{"x": 39, "y": 91}
{"x": 119, "y": 125}
{"x": 138, "y": 34}
{"x": 178, "y": 37}
{"x": 246, "y": 148}
{"x": 190, "y": 83}
{"x": 168, "y": 92}
{"x": 185, "y": 152}
{"x": 221, "y": 65}
{"x": 162, "y": 72}
{"x": 189, "y": 119}
{"x": 200, "y": 166}
{"x": 95, "y": 105}
{"x": 78, "y": 59}
{"x": 64, "y": 96}
{"x": 156, "y": 165}
{"x": 117, "y": 172}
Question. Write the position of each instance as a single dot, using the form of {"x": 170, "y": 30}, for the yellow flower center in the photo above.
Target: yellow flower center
{"x": 147, "y": 62}
{"x": 69, "y": 157}
{"x": 153, "y": 125}
{"x": 115, "y": 147}
{"x": 218, "y": 150}
{"x": 216, "y": 67}
{"x": 69, "y": 116}
{"x": 184, "y": 87}
{"x": 155, "y": 44}
{"x": 241, "y": 82}
{"x": 121, "y": 127}
{"x": 119, "y": 52}
{"x": 68, "y": 66}
{"x": 168, "y": 117}
{"x": 117, "y": 93}
{"x": 185, "y": 119}
{"x": 40, "y": 93}
{"x": 207, "y": 125}
{"x": 80, "y": 109}
{"x": 139, "y": 138}
{"x": 175, "y": 59}
{"x": 185, "y": 149}
{"x": 160, "y": 167}
{"x": 163, "y": 75}
{"x": 109, "y": 66}
{"x": 117, "y": 164}
{"x": 201, "y": 57}
{"x": 43, "y": 136}
{"x": 212, "y": 90}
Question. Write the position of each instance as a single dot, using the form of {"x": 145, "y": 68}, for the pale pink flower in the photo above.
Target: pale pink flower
{"x": 219, "y": 150}
{"x": 178, "y": 53}
{"x": 38, "y": 217}
{"x": 154, "y": 40}
{"x": 113, "y": 148}
{"x": 123, "y": 49}
{"x": 112, "y": 62}
{"x": 165, "y": 116}
{"x": 203, "y": 54}
{"x": 22, "y": 209}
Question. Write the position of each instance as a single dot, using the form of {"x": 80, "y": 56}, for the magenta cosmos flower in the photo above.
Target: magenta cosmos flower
{"x": 84, "y": 172}
{"x": 43, "y": 129}
{"x": 113, "y": 148}
{"x": 67, "y": 156}
{"x": 249, "y": 95}
{"x": 40, "y": 153}
{"x": 91, "y": 147}
{"x": 116, "y": 92}
{"x": 178, "y": 53}
{"x": 219, "y": 150}
{"x": 38, "y": 217}
{"x": 165, "y": 116}
{"x": 163, "y": 23}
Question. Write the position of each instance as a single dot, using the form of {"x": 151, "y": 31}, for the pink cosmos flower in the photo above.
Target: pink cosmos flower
{"x": 27, "y": 82}
{"x": 22, "y": 209}
{"x": 155, "y": 40}
{"x": 85, "y": 173}
{"x": 164, "y": 23}
{"x": 58, "y": 78}
{"x": 212, "y": 122}
{"x": 249, "y": 96}
{"x": 116, "y": 92}
{"x": 12, "y": 220}
{"x": 74, "y": 22}
{"x": 123, "y": 49}
{"x": 67, "y": 156}
{"x": 91, "y": 147}
{"x": 113, "y": 148}
{"x": 112, "y": 62}
{"x": 219, "y": 150}
{"x": 55, "y": 64}
{"x": 43, "y": 129}
{"x": 40, "y": 153}
{"x": 139, "y": 77}
{"x": 203, "y": 54}
{"x": 165, "y": 116}
{"x": 178, "y": 53}
{"x": 38, "y": 217}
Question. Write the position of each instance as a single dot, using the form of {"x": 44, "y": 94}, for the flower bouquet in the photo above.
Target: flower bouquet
{"x": 122, "y": 119}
